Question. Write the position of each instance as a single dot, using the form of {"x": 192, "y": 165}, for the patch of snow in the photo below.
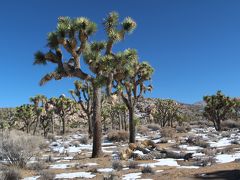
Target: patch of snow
{"x": 105, "y": 170}
{"x": 162, "y": 162}
{"x": 91, "y": 164}
{"x": 222, "y": 142}
{"x": 225, "y": 158}
{"x": 31, "y": 178}
{"x": 87, "y": 175}
{"x": 61, "y": 166}
{"x": 132, "y": 176}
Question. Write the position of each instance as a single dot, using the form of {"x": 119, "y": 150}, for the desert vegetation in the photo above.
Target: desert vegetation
{"x": 106, "y": 128}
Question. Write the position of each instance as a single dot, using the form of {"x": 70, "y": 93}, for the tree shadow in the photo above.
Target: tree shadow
{"x": 221, "y": 175}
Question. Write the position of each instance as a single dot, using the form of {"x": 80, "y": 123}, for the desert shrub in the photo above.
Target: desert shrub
{"x": 229, "y": 124}
{"x": 154, "y": 127}
{"x": 43, "y": 145}
{"x": 83, "y": 140}
{"x": 51, "y": 137}
{"x": 209, "y": 152}
{"x": 142, "y": 130}
{"x": 47, "y": 175}
{"x": 181, "y": 129}
{"x": 133, "y": 165}
{"x": 226, "y": 150}
{"x": 76, "y": 143}
{"x": 117, "y": 136}
{"x": 37, "y": 166}
{"x": 17, "y": 147}
{"x": 66, "y": 145}
{"x": 226, "y": 134}
{"x": 11, "y": 174}
{"x": 49, "y": 159}
{"x": 201, "y": 143}
{"x": 167, "y": 132}
{"x": 163, "y": 140}
{"x": 147, "y": 169}
{"x": 117, "y": 165}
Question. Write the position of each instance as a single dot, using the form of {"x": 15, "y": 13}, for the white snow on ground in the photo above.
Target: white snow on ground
{"x": 31, "y": 178}
{"x": 91, "y": 164}
{"x": 222, "y": 142}
{"x": 162, "y": 162}
{"x": 190, "y": 148}
{"x": 132, "y": 176}
{"x": 225, "y": 158}
{"x": 61, "y": 166}
{"x": 105, "y": 170}
{"x": 86, "y": 175}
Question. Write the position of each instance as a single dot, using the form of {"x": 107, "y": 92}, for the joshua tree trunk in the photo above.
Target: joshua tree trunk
{"x": 63, "y": 125}
{"x": 97, "y": 124}
{"x": 90, "y": 132}
{"x": 53, "y": 127}
{"x": 218, "y": 125}
{"x": 131, "y": 125}
{"x": 36, "y": 126}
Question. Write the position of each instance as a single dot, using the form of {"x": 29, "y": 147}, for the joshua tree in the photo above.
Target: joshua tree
{"x": 63, "y": 107}
{"x": 166, "y": 112}
{"x": 38, "y": 101}
{"x": 130, "y": 78}
{"x": 219, "y": 107}
{"x": 83, "y": 94}
{"x": 73, "y": 36}
{"x": 25, "y": 114}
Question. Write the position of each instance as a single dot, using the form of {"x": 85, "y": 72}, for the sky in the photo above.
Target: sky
{"x": 193, "y": 45}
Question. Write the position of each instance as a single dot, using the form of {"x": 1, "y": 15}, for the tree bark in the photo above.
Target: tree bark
{"x": 132, "y": 130}
{"x": 63, "y": 125}
{"x": 218, "y": 123}
{"x": 97, "y": 124}
{"x": 36, "y": 126}
{"x": 90, "y": 131}
{"x": 53, "y": 127}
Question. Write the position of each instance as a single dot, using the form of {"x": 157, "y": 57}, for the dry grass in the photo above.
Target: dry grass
{"x": 118, "y": 136}
{"x": 154, "y": 127}
{"x": 168, "y": 132}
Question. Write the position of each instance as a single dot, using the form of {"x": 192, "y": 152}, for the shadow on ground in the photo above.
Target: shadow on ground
{"x": 221, "y": 175}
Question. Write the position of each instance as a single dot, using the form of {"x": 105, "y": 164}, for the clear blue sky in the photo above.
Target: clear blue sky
{"x": 194, "y": 45}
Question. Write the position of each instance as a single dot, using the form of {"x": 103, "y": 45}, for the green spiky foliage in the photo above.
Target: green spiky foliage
{"x": 218, "y": 108}
{"x": 25, "y": 115}
{"x": 130, "y": 79}
{"x": 39, "y": 102}
{"x": 7, "y": 118}
{"x": 83, "y": 95}
{"x": 166, "y": 112}
{"x": 64, "y": 108}
{"x": 72, "y": 36}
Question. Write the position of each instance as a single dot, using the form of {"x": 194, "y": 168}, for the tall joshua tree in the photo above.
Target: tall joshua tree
{"x": 82, "y": 94}
{"x": 63, "y": 107}
{"x": 25, "y": 114}
{"x": 38, "y": 101}
{"x": 73, "y": 36}
{"x": 130, "y": 78}
{"x": 218, "y": 108}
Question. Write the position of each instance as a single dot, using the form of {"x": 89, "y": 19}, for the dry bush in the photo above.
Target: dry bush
{"x": 133, "y": 165}
{"x": 163, "y": 140}
{"x": 181, "y": 129}
{"x": 226, "y": 150}
{"x": 117, "y": 136}
{"x": 226, "y": 134}
{"x": 51, "y": 137}
{"x": 38, "y": 166}
{"x": 49, "y": 159}
{"x": 47, "y": 175}
{"x": 75, "y": 143}
{"x": 142, "y": 130}
{"x": 147, "y": 169}
{"x": 117, "y": 165}
{"x": 209, "y": 152}
{"x": 168, "y": 132}
{"x": 11, "y": 174}
{"x": 154, "y": 127}
{"x": 83, "y": 140}
{"x": 17, "y": 147}
{"x": 229, "y": 124}
{"x": 201, "y": 143}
